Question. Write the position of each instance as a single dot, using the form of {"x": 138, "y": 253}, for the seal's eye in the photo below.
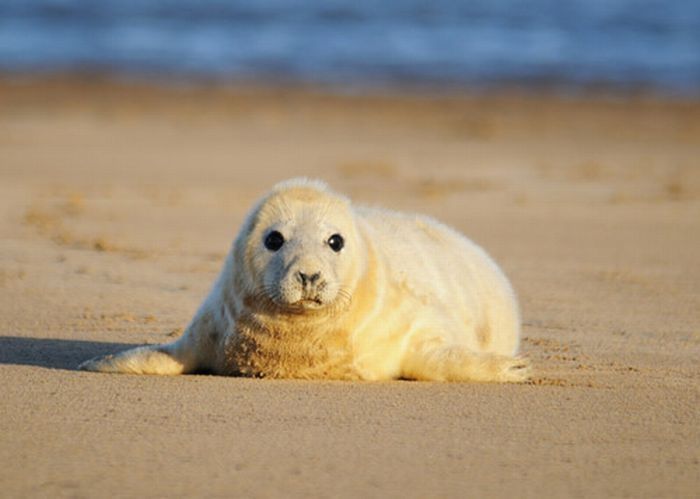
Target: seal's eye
{"x": 274, "y": 240}
{"x": 336, "y": 242}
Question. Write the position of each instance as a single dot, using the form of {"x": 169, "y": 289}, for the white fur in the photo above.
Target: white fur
{"x": 407, "y": 297}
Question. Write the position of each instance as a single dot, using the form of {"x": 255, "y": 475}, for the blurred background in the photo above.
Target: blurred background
{"x": 618, "y": 45}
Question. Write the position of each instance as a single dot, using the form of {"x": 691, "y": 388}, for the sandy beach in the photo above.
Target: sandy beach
{"x": 119, "y": 202}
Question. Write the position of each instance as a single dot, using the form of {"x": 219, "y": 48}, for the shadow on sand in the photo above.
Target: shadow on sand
{"x": 53, "y": 353}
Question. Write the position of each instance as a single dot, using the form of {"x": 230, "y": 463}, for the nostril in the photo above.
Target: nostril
{"x": 306, "y": 278}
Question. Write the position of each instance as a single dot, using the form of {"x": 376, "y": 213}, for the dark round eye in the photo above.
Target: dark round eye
{"x": 274, "y": 240}
{"x": 336, "y": 242}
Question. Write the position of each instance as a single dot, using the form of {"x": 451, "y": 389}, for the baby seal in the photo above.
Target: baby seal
{"x": 315, "y": 287}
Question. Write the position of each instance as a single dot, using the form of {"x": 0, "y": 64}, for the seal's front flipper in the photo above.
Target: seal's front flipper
{"x": 156, "y": 359}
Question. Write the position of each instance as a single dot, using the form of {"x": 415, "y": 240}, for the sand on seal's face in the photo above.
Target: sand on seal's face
{"x": 316, "y": 288}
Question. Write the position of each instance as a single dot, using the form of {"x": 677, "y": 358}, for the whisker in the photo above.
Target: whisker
{"x": 268, "y": 299}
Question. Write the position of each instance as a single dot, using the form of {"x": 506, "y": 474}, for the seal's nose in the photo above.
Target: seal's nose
{"x": 306, "y": 278}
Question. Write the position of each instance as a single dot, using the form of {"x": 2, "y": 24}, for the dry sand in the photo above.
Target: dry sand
{"x": 120, "y": 201}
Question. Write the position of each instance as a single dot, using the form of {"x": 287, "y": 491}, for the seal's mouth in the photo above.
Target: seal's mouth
{"x": 310, "y": 303}
{"x": 303, "y": 305}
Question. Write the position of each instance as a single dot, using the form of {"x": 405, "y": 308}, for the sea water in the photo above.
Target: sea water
{"x": 567, "y": 43}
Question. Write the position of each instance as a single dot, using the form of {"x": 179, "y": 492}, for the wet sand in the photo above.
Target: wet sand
{"x": 119, "y": 202}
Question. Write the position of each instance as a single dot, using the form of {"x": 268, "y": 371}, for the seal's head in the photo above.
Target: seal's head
{"x": 301, "y": 250}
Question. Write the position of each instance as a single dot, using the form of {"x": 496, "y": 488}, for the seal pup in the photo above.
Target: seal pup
{"x": 315, "y": 287}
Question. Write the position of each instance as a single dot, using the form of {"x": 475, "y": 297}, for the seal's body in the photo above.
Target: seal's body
{"x": 315, "y": 287}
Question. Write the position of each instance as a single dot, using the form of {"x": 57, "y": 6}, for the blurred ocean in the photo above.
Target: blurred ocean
{"x": 571, "y": 44}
